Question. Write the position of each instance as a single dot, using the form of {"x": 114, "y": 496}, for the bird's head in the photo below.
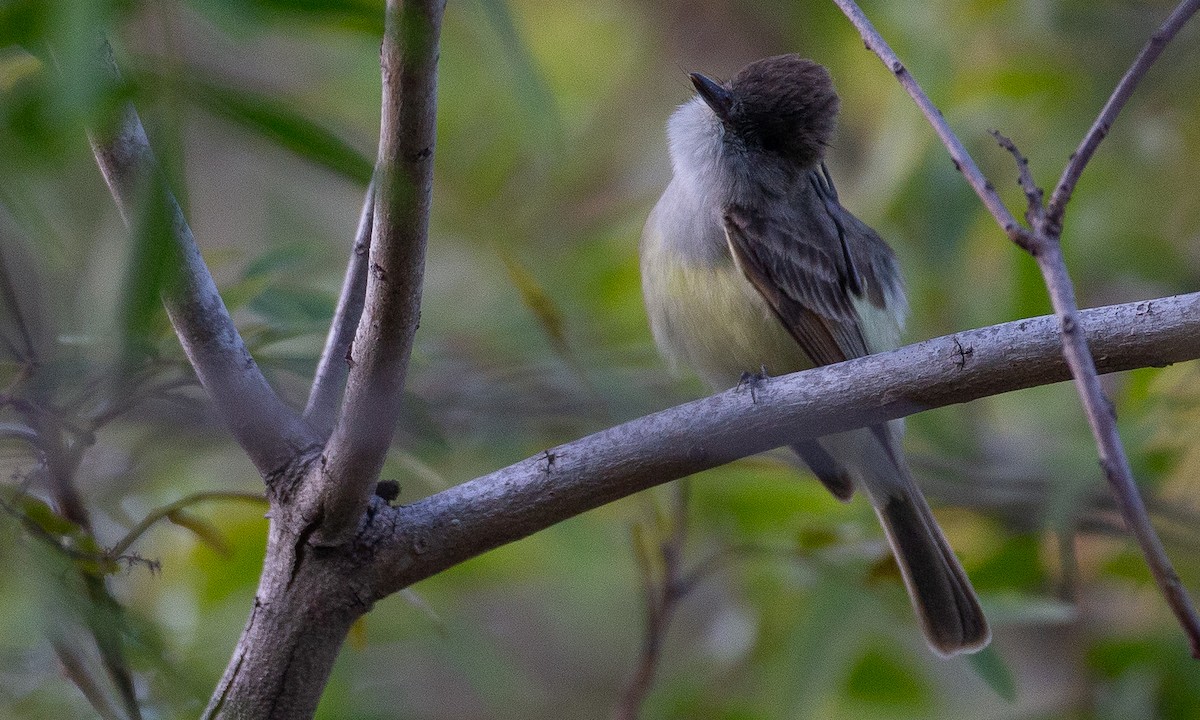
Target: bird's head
{"x": 782, "y": 105}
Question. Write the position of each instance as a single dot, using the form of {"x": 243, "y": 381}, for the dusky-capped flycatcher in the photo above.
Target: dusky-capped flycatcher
{"x": 749, "y": 261}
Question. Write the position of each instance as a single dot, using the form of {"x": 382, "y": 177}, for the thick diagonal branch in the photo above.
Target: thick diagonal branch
{"x": 383, "y": 342}
{"x": 433, "y": 534}
{"x": 270, "y": 432}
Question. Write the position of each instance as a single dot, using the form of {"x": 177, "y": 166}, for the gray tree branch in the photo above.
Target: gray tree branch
{"x": 334, "y": 365}
{"x": 270, "y": 432}
{"x": 1043, "y": 243}
{"x": 383, "y": 342}
{"x": 428, "y": 536}
{"x": 1108, "y": 114}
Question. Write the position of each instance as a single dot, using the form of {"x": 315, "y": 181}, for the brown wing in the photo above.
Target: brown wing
{"x": 807, "y": 260}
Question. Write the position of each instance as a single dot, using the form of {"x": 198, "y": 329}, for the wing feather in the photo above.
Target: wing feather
{"x": 811, "y": 259}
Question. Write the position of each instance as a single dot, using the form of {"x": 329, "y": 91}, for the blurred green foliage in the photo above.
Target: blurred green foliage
{"x": 550, "y": 154}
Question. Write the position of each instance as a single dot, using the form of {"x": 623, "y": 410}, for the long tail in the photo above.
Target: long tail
{"x": 942, "y": 596}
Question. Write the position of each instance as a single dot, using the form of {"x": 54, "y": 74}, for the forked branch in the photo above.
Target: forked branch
{"x": 1041, "y": 240}
{"x": 383, "y": 342}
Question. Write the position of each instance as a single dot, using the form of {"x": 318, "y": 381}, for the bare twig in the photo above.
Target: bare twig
{"x": 1043, "y": 244}
{"x": 271, "y": 433}
{"x": 958, "y": 153}
{"x": 663, "y": 591}
{"x": 76, "y": 671}
{"x": 113, "y": 410}
{"x": 355, "y": 453}
{"x": 1099, "y": 130}
{"x": 123, "y": 545}
{"x": 321, "y": 410}
{"x": 1034, "y": 197}
{"x": 514, "y": 502}
{"x": 17, "y": 431}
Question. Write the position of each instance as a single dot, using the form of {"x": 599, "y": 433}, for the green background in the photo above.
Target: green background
{"x": 550, "y": 154}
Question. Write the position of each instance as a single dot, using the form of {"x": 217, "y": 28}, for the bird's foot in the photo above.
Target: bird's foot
{"x": 754, "y": 381}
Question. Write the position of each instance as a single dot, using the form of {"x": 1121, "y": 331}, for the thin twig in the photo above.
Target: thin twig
{"x": 76, "y": 671}
{"x": 110, "y": 642}
{"x": 1043, "y": 244}
{"x": 17, "y": 431}
{"x": 663, "y": 592}
{"x": 334, "y": 365}
{"x": 1100, "y": 128}
{"x": 62, "y": 463}
{"x": 958, "y": 153}
{"x": 137, "y": 396}
{"x": 9, "y": 292}
{"x": 1035, "y": 198}
{"x": 383, "y": 342}
{"x": 123, "y": 545}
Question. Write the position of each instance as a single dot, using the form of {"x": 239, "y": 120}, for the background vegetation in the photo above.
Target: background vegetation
{"x": 550, "y": 155}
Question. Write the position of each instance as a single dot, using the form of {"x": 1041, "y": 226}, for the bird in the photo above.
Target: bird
{"x": 750, "y": 263}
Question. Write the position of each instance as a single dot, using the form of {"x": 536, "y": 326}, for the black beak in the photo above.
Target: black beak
{"x": 716, "y": 95}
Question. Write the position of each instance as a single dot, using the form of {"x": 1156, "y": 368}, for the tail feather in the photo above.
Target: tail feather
{"x": 941, "y": 594}
{"x": 829, "y": 471}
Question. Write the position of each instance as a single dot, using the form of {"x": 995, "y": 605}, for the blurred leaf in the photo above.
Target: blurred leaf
{"x": 534, "y": 92}
{"x": 816, "y": 538}
{"x": 1016, "y": 564}
{"x": 880, "y": 679}
{"x": 1114, "y": 657}
{"x": 24, "y": 22}
{"x": 202, "y": 529}
{"x": 357, "y": 637}
{"x": 44, "y": 516}
{"x": 991, "y": 668}
{"x": 277, "y": 121}
{"x": 364, "y": 16}
{"x": 16, "y": 65}
{"x": 154, "y": 269}
{"x": 1128, "y": 564}
{"x": 885, "y": 569}
{"x": 538, "y": 301}
{"x": 645, "y": 553}
{"x": 276, "y": 260}
{"x": 292, "y": 309}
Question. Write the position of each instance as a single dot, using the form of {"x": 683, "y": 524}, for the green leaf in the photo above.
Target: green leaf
{"x": 277, "y": 260}
{"x": 277, "y": 121}
{"x": 154, "y": 269}
{"x": 532, "y": 89}
{"x": 1016, "y": 565}
{"x": 882, "y": 680}
{"x": 202, "y": 529}
{"x": 539, "y": 302}
{"x": 44, "y": 516}
{"x": 992, "y": 669}
{"x": 365, "y": 16}
{"x": 287, "y": 308}
{"x": 23, "y": 22}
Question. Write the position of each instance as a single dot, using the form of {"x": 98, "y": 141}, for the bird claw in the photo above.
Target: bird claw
{"x": 754, "y": 381}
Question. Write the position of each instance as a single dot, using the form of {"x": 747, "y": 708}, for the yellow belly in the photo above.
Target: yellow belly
{"x": 710, "y": 319}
